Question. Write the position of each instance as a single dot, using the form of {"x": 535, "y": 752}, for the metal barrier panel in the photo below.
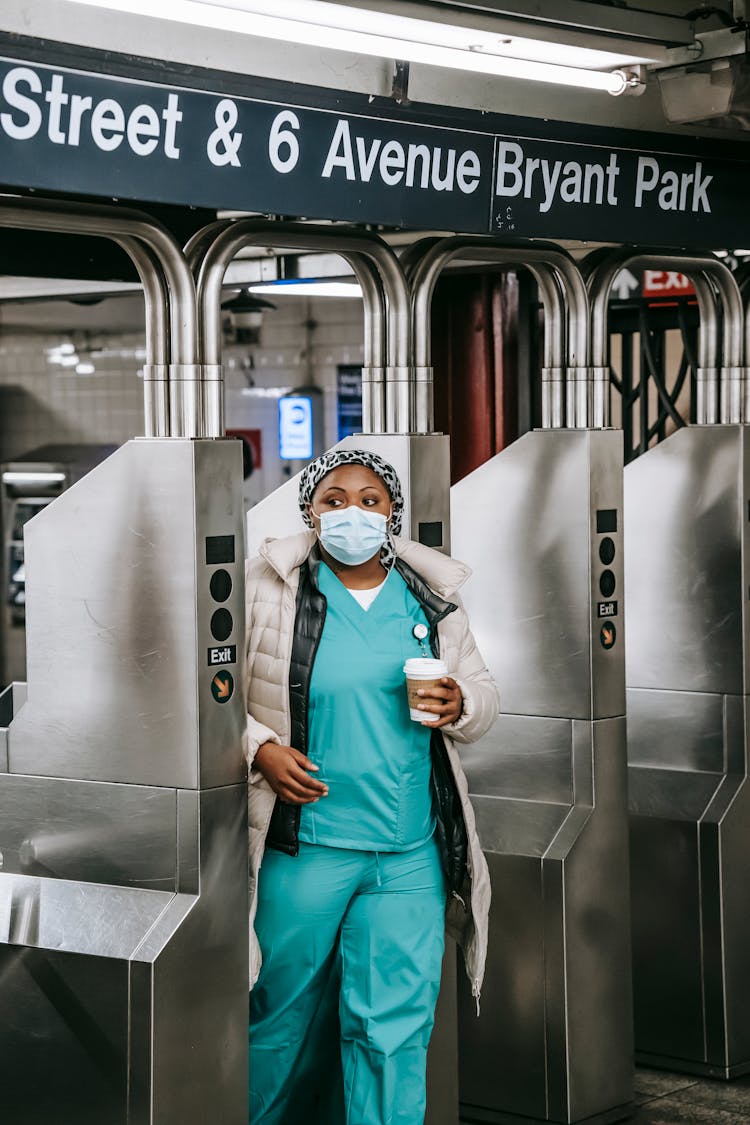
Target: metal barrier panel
{"x": 123, "y": 806}
{"x": 423, "y": 465}
{"x": 541, "y": 526}
{"x": 686, "y": 560}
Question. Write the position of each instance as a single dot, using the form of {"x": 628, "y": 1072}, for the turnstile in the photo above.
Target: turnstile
{"x": 686, "y": 518}
{"x": 687, "y": 513}
{"x": 28, "y": 483}
{"x": 420, "y": 459}
{"x": 541, "y": 526}
{"x": 123, "y": 893}
{"x": 123, "y": 801}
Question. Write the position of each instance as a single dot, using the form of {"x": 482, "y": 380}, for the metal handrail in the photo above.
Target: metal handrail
{"x": 715, "y": 389}
{"x": 168, "y": 290}
{"x": 566, "y": 308}
{"x": 386, "y": 306}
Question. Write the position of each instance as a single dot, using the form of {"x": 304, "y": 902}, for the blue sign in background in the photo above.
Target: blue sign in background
{"x": 295, "y": 428}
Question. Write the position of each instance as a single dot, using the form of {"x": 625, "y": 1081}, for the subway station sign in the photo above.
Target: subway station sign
{"x": 71, "y": 130}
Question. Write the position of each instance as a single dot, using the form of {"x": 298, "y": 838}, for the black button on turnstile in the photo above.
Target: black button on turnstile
{"x": 606, "y": 521}
{"x": 431, "y": 534}
{"x": 607, "y": 583}
{"x": 221, "y": 585}
{"x": 219, "y": 549}
{"x": 221, "y": 624}
{"x": 607, "y": 550}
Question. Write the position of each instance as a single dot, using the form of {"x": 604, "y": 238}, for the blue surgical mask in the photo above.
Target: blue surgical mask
{"x": 352, "y": 535}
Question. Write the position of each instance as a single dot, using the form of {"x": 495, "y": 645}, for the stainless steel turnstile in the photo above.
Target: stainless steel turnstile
{"x": 389, "y": 404}
{"x": 541, "y": 526}
{"x": 123, "y": 823}
{"x": 27, "y": 484}
{"x": 686, "y": 570}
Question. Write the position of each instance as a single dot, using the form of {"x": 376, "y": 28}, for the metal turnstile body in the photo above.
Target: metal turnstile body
{"x": 29, "y": 482}
{"x": 686, "y": 560}
{"x": 423, "y": 465}
{"x": 123, "y": 816}
{"x": 548, "y": 782}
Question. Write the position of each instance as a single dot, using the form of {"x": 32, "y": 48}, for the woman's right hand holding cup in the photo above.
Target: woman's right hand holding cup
{"x": 286, "y": 771}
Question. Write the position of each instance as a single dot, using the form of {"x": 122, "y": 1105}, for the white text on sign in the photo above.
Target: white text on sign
{"x": 547, "y": 181}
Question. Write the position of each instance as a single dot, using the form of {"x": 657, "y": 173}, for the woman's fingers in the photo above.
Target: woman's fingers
{"x": 296, "y": 788}
{"x": 444, "y": 700}
{"x": 301, "y": 760}
{"x": 295, "y": 795}
{"x": 445, "y": 690}
{"x": 300, "y": 777}
{"x": 285, "y": 769}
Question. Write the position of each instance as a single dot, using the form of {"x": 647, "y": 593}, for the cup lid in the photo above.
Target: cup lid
{"x": 425, "y": 666}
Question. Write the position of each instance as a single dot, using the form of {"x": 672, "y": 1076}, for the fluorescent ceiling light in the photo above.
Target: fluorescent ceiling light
{"x": 309, "y": 288}
{"x": 315, "y": 23}
{"x": 10, "y": 477}
{"x": 41, "y": 288}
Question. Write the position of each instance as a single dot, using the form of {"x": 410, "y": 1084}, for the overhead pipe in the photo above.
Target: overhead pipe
{"x": 171, "y": 377}
{"x": 565, "y": 301}
{"x": 719, "y": 392}
{"x": 386, "y": 307}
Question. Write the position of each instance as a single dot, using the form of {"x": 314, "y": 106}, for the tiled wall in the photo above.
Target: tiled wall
{"x": 302, "y": 342}
{"x": 41, "y": 402}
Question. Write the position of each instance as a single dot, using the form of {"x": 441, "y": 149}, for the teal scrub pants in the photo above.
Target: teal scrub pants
{"x": 356, "y": 935}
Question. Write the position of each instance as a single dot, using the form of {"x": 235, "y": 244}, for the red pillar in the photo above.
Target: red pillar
{"x": 475, "y": 358}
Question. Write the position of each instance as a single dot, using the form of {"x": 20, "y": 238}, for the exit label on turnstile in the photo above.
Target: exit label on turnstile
{"x": 606, "y": 609}
{"x": 222, "y": 686}
{"x": 608, "y": 634}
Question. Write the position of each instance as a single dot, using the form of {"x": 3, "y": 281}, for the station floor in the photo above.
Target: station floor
{"x": 663, "y": 1098}
{"x": 679, "y": 1099}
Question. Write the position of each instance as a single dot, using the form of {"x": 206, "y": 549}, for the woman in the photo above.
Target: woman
{"x": 359, "y": 815}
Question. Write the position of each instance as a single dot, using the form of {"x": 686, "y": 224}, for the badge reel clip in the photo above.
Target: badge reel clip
{"x": 420, "y": 633}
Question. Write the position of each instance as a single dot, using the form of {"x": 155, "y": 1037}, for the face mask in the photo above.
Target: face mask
{"x": 352, "y": 535}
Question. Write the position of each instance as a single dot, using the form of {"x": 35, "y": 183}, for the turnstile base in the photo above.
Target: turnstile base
{"x": 689, "y": 1066}
{"x": 475, "y": 1115}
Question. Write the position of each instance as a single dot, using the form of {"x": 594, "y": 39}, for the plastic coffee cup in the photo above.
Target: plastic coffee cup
{"x": 422, "y": 672}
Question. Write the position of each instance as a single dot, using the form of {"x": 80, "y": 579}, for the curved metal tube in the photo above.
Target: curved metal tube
{"x": 562, "y": 291}
{"x": 156, "y": 368}
{"x": 742, "y": 277}
{"x": 413, "y": 254}
{"x": 127, "y": 227}
{"x": 374, "y": 263}
{"x": 375, "y": 357}
{"x": 712, "y": 281}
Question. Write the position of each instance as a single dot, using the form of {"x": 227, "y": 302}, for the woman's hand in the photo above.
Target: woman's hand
{"x": 444, "y": 700}
{"x": 284, "y": 768}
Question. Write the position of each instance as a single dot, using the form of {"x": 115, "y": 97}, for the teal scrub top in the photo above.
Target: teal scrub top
{"x": 373, "y": 757}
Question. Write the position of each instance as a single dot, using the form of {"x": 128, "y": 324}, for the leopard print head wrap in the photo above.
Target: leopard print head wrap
{"x": 318, "y": 469}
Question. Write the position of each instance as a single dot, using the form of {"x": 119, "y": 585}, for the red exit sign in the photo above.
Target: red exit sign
{"x": 666, "y": 283}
